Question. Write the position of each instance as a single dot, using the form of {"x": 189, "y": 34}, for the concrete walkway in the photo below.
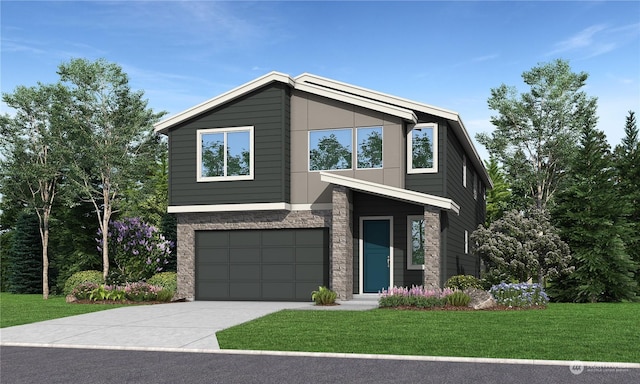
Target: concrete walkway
{"x": 188, "y": 325}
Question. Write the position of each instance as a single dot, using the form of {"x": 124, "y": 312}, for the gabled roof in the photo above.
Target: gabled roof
{"x": 391, "y": 192}
{"x": 351, "y": 94}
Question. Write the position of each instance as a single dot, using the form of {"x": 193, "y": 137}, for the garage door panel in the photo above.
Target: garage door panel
{"x": 244, "y": 255}
{"x": 261, "y": 264}
{"x": 278, "y": 272}
{"x": 278, "y": 255}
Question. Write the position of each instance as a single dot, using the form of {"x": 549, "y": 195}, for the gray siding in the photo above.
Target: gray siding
{"x": 267, "y": 109}
{"x": 370, "y": 205}
{"x": 472, "y": 212}
{"x": 430, "y": 183}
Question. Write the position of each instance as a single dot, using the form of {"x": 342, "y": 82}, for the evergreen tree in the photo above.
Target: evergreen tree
{"x": 498, "y": 197}
{"x": 591, "y": 216}
{"x": 627, "y": 164}
{"x": 25, "y": 256}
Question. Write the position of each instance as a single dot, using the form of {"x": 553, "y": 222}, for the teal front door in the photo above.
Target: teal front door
{"x": 376, "y": 255}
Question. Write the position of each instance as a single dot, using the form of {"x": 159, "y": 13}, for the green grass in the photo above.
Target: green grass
{"x": 25, "y": 309}
{"x": 590, "y": 332}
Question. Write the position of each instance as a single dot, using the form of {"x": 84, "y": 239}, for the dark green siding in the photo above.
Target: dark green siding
{"x": 267, "y": 110}
{"x": 471, "y": 212}
{"x": 431, "y": 183}
{"x": 371, "y": 205}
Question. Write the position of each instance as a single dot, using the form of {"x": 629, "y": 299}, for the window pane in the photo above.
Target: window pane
{"x": 212, "y": 154}
{"x": 330, "y": 149}
{"x": 369, "y": 147}
{"x": 238, "y": 153}
{"x": 417, "y": 242}
{"x": 422, "y": 147}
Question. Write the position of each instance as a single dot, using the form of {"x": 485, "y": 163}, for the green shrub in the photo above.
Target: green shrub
{"x": 165, "y": 295}
{"x": 82, "y": 277}
{"x": 107, "y": 292}
{"x": 167, "y": 280}
{"x": 463, "y": 282}
{"x": 458, "y": 299}
{"x": 324, "y": 296}
{"x": 84, "y": 290}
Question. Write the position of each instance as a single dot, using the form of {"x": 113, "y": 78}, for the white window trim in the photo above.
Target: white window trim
{"x": 466, "y": 242}
{"x": 202, "y": 132}
{"x": 464, "y": 171}
{"x": 410, "y": 265}
{"x": 356, "y": 146}
{"x": 475, "y": 186}
{"x": 410, "y": 168}
{"x": 361, "y": 251}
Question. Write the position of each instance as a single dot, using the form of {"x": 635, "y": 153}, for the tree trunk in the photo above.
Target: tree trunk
{"x": 105, "y": 245}
{"x": 45, "y": 257}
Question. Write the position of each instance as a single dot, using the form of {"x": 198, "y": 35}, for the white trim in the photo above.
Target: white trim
{"x": 361, "y": 251}
{"x": 464, "y": 170}
{"x": 163, "y": 126}
{"x": 410, "y": 220}
{"x": 229, "y": 207}
{"x": 390, "y": 192}
{"x": 224, "y": 131}
{"x": 466, "y": 242}
{"x": 434, "y": 167}
{"x": 312, "y": 207}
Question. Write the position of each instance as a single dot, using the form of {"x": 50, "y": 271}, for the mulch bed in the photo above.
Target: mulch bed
{"x": 454, "y": 308}
{"x": 127, "y": 302}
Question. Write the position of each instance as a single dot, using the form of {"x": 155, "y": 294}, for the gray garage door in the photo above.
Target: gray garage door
{"x": 261, "y": 264}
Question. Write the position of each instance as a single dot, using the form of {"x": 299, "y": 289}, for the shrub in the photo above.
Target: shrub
{"x": 82, "y": 277}
{"x": 141, "y": 291}
{"x": 107, "y": 292}
{"x": 324, "y": 296}
{"x": 416, "y": 296}
{"x": 167, "y": 280}
{"x": 84, "y": 290}
{"x": 165, "y": 295}
{"x": 458, "y": 299}
{"x": 463, "y": 282}
{"x": 519, "y": 295}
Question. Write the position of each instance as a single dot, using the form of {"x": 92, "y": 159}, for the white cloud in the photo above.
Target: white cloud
{"x": 596, "y": 40}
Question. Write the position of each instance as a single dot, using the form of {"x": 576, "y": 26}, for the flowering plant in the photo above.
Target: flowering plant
{"x": 136, "y": 249}
{"x": 141, "y": 291}
{"x": 416, "y": 296}
{"x": 519, "y": 295}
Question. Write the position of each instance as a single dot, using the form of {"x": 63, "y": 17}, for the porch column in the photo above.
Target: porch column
{"x": 431, "y": 273}
{"x": 186, "y": 263}
{"x": 341, "y": 259}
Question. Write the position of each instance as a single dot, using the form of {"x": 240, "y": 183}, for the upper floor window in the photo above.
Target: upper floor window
{"x": 331, "y": 149}
{"x": 464, "y": 171}
{"x": 422, "y": 149}
{"x": 369, "y": 141}
{"x": 225, "y": 154}
{"x": 475, "y": 186}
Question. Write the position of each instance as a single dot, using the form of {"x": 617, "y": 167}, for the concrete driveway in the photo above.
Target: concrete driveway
{"x": 190, "y": 325}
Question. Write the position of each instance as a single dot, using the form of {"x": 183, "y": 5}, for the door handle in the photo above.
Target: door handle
{"x": 388, "y": 261}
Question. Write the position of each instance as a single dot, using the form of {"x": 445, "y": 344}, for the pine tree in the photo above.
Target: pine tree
{"x": 591, "y": 217}
{"x": 25, "y": 256}
{"x": 627, "y": 164}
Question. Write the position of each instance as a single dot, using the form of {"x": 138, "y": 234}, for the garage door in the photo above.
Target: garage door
{"x": 261, "y": 264}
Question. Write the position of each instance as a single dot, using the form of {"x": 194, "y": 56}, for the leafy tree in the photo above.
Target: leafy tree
{"x": 370, "y": 151}
{"x": 521, "y": 247}
{"x": 213, "y": 159}
{"x": 627, "y": 164}
{"x": 330, "y": 154}
{"x": 34, "y": 143}
{"x": 25, "y": 266}
{"x": 535, "y": 132}
{"x": 112, "y": 136}
{"x": 422, "y": 151}
{"x": 591, "y": 215}
{"x": 6, "y": 240}
{"x": 499, "y": 196}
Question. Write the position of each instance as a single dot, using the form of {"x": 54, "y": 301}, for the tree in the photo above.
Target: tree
{"x": 25, "y": 264}
{"x": 591, "y": 216}
{"x": 112, "y": 136}
{"x": 627, "y": 164}
{"x": 34, "y": 143}
{"x": 499, "y": 196}
{"x": 521, "y": 246}
{"x": 370, "y": 151}
{"x": 330, "y": 154}
{"x": 535, "y": 131}
{"x": 422, "y": 151}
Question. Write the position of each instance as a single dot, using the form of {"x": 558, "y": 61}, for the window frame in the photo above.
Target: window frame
{"x": 357, "y": 146}
{"x": 464, "y": 170}
{"x": 466, "y": 242}
{"x": 410, "y": 220}
{"x": 309, "y": 149}
{"x": 434, "y": 167}
{"x": 225, "y": 130}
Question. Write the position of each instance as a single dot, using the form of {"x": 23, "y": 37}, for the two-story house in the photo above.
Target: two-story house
{"x": 286, "y": 183}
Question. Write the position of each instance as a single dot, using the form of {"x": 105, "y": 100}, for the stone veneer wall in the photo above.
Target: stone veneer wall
{"x": 432, "y": 248}
{"x": 188, "y": 223}
{"x": 341, "y": 255}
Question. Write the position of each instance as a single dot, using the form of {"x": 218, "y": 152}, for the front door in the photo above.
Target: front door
{"x": 376, "y": 255}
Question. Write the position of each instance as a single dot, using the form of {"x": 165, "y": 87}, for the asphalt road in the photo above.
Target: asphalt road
{"x": 62, "y": 365}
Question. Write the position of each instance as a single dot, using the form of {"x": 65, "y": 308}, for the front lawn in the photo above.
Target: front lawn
{"x": 589, "y": 332}
{"x": 25, "y": 309}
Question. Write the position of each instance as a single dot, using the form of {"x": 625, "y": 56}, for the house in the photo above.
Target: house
{"x": 287, "y": 183}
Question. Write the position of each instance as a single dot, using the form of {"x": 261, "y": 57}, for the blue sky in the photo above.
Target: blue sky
{"x": 446, "y": 54}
